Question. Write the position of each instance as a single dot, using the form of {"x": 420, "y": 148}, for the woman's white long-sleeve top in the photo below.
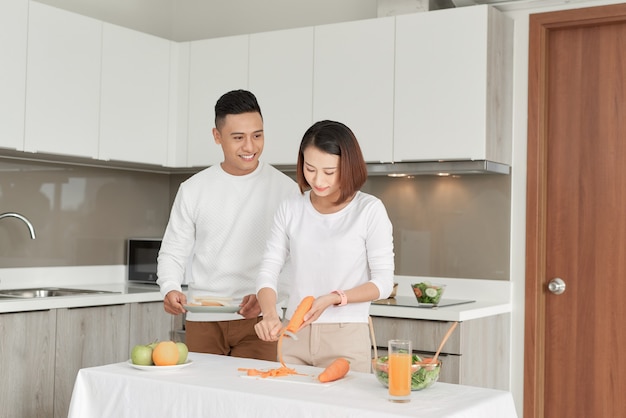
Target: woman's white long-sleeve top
{"x": 340, "y": 250}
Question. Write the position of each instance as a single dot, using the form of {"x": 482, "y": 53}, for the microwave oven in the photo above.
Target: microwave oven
{"x": 142, "y": 259}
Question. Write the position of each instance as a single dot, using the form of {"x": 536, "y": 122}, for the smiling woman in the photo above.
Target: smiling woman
{"x": 331, "y": 223}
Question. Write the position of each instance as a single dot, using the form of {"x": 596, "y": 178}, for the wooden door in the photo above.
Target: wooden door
{"x": 576, "y": 214}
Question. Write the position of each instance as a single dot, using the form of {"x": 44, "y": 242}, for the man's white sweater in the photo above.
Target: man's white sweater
{"x": 222, "y": 222}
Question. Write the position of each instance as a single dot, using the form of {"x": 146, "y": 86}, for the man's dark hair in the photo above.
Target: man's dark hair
{"x": 235, "y": 102}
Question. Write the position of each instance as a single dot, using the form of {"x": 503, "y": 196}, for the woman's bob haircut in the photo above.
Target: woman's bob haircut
{"x": 337, "y": 139}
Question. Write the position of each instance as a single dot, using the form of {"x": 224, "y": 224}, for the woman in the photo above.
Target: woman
{"x": 340, "y": 243}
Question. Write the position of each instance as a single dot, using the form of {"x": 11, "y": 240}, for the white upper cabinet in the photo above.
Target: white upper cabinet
{"x": 62, "y": 82}
{"x": 453, "y": 80}
{"x": 354, "y": 81}
{"x": 281, "y": 77}
{"x": 13, "y": 32}
{"x": 178, "y": 105}
{"x": 216, "y": 66}
{"x": 134, "y": 111}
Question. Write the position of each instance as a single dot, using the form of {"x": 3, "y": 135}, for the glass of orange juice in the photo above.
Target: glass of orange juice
{"x": 400, "y": 356}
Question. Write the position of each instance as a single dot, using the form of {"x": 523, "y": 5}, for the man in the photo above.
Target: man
{"x": 221, "y": 218}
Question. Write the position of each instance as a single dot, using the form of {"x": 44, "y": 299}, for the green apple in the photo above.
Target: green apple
{"x": 141, "y": 355}
{"x": 182, "y": 352}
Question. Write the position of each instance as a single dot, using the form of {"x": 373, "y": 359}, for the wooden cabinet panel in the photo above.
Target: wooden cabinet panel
{"x": 353, "y": 81}
{"x": 62, "y": 82}
{"x": 425, "y": 335}
{"x": 281, "y": 77}
{"x": 13, "y": 33}
{"x": 486, "y": 353}
{"x": 134, "y": 110}
{"x": 27, "y": 364}
{"x": 149, "y": 322}
{"x": 477, "y": 353}
{"x": 216, "y": 66}
{"x": 87, "y": 337}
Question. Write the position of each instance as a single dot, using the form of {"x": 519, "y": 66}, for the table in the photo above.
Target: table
{"x": 212, "y": 386}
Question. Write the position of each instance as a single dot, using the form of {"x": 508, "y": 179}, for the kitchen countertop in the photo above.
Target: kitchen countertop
{"x": 492, "y": 297}
{"x": 124, "y": 293}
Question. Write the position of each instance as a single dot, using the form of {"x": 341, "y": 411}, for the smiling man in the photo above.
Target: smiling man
{"x": 218, "y": 227}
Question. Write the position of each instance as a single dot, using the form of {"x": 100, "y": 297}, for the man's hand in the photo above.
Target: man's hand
{"x": 249, "y": 307}
{"x": 174, "y": 301}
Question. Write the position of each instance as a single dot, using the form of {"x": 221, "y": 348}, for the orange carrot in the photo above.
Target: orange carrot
{"x": 335, "y": 370}
{"x": 298, "y": 316}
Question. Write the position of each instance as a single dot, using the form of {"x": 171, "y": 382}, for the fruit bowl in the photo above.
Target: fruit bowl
{"x": 427, "y": 293}
{"x": 423, "y": 374}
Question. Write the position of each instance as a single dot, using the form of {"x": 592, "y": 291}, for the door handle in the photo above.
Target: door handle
{"x": 556, "y": 286}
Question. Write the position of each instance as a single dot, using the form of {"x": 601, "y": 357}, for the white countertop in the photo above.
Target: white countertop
{"x": 493, "y": 297}
{"x": 123, "y": 294}
{"x": 213, "y": 386}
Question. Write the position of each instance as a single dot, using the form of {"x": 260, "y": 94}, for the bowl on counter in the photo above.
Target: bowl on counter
{"x": 428, "y": 293}
{"x": 423, "y": 373}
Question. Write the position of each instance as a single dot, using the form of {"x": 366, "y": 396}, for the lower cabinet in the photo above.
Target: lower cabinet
{"x": 41, "y": 352}
{"x": 150, "y": 322}
{"x": 476, "y": 354}
{"x": 87, "y": 337}
{"x": 27, "y": 345}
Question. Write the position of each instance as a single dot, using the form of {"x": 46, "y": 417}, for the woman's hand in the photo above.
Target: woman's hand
{"x": 269, "y": 328}
{"x": 319, "y": 306}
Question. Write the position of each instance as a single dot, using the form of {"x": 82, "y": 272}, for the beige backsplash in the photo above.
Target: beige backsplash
{"x": 444, "y": 227}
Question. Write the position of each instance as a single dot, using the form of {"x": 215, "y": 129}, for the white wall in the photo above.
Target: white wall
{"x": 518, "y": 176}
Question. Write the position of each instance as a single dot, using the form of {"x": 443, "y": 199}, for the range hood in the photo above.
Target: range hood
{"x": 437, "y": 168}
{"x": 427, "y": 168}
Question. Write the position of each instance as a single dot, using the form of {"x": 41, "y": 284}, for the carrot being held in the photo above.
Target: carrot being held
{"x": 298, "y": 316}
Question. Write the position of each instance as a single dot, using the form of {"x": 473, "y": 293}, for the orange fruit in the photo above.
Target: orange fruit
{"x": 165, "y": 354}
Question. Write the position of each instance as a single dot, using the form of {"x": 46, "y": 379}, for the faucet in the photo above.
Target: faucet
{"x": 23, "y": 218}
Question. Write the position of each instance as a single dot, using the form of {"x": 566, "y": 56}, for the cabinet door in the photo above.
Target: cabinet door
{"x": 179, "y": 104}
{"x": 216, "y": 66}
{"x": 13, "y": 32}
{"x": 87, "y": 337}
{"x": 27, "y": 364}
{"x": 135, "y": 96}
{"x": 281, "y": 77}
{"x": 353, "y": 81}
{"x": 445, "y": 106}
{"x": 148, "y": 323}
{"x": 62, "y": 82}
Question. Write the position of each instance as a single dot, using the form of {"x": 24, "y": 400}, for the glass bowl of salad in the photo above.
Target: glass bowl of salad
{"x": 427, "y": 293}
{"x": 423, "y": 372}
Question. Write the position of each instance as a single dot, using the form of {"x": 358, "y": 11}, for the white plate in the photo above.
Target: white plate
{"x": 211, "y": 309}
{"x": 159, "y": 368}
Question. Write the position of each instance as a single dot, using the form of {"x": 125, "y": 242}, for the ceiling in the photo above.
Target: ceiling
{"x": 188, "y": 20}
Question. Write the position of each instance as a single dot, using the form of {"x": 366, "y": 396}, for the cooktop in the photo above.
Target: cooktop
{"x": 411, "y": 302}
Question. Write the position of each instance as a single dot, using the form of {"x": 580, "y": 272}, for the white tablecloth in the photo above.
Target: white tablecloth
{"x": 211, "y": 386}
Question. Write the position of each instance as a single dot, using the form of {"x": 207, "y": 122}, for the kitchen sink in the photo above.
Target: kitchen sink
{"x": 47, "y": 292}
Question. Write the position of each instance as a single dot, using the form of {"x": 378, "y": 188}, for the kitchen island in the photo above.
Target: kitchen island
{"x": 213, "y": 386}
